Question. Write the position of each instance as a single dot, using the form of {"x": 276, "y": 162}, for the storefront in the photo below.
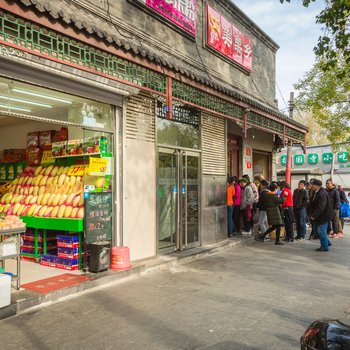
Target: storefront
{"x": 178, "y": 110}
{"x": 60, "y": 157}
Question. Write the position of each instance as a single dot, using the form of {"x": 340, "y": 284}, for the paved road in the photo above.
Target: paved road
{"x": 259, "y": 296}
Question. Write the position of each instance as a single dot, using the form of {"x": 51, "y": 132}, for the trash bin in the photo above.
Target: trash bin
{"x": 99, "y": 256}
{"x": 5, "y": 290}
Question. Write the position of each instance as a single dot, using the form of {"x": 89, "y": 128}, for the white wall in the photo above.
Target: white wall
{"x": 139, "y": 207}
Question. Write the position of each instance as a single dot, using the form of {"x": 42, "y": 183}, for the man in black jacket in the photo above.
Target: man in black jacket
{"x": 300, "y": 202}
{"x": 321, "y": 212}
{"x": 334, "y": 198}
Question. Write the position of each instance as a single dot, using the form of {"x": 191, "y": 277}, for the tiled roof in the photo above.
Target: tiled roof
{"x": 73, "y": 14}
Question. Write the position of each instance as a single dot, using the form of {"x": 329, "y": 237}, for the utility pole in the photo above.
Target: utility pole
{"x": 289, "y": 143}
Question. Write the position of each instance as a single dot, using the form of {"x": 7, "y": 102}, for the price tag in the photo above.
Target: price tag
{"x": 47, "y": 157}
{"x": 77, "y": 170}
{"x": 98, "y": 166}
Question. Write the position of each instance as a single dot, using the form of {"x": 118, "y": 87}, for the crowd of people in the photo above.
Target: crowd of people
{"x": 259, "y": 208}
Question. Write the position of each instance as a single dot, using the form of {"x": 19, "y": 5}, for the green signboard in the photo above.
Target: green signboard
{"x": 299, "y": 159}
{"x": 284, "y": 160}
{"x": 312, "y": 158}
{"x": 343, "y": 157}
{"x": 327, "y": 158}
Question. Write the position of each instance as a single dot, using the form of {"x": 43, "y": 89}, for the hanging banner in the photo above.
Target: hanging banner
{"x": 180, "y": 12}
{"x": 228, "y": 40}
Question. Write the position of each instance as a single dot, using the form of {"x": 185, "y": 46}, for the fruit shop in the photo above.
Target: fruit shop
{"x": 57, "y": 183}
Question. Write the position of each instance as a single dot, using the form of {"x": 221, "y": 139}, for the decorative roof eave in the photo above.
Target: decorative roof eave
{"x": 71, "y": 14}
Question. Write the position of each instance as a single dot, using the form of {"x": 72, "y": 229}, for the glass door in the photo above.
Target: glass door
{"x": 178, "y": 199}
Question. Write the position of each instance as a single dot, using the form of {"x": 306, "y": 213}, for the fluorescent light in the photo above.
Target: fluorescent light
{"x": 42, "y": 96}
{"x": 25, "y": 101}
{"x": 16, "y": 108}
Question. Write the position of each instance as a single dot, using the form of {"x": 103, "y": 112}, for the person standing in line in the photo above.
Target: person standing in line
{"x": 321, "y": 212}
{"x": 288, "y": 212}
{"x": 237, "y": 205}
{"x": 262, "y": 221}
{"x": 334, "y": 198}
{"x": 247, "y": 200}
{"x": 343, "y": 200}
{"x": 256, "y": 197}
{"x": 230, "y": 193}
{"x": 271, "y": 202}
{"x": 300, "y": 203}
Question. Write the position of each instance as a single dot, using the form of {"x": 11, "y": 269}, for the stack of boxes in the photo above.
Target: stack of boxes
{"x": 28, "y": 243}
{"x": 67, "y": 257}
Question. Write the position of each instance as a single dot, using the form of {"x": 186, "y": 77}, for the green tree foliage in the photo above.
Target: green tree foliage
{"x": 326, "y": 95}
{"x": 325, "y": 90}
{"x": 333, "y": 47}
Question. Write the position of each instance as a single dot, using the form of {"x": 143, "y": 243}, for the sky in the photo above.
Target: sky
{"x": 293, "y": 27}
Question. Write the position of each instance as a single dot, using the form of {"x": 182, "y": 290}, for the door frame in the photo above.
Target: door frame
{"x": 179, "y": 228}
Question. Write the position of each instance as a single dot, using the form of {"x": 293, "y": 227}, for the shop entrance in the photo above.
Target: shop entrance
{"x": 178, "y": 199}
{"x": 261, "y": 164}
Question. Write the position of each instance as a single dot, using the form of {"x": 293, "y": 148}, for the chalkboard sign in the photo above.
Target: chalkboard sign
{"x": 98, "y": 217}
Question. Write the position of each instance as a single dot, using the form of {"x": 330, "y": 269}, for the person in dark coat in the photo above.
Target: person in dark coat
{"x": 300, "y": 204}
{"x": 274, "y": 218}
{"x": 334, "y": 198}
{"x": 321, "y": 212}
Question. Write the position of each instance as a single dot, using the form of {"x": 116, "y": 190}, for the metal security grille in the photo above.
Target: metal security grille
{"x": 140, "y": 117}
{"x": 259, "y": 120}
{"x": 213, "y": 145}
{"x": 294, "y": 134}
{"x": 203, "y": 99}
{"x": 44, "y": 41}
{"x": 182, "y": 114}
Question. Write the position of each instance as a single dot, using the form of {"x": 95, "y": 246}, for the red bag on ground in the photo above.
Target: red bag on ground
{"x": 248, "y": 213}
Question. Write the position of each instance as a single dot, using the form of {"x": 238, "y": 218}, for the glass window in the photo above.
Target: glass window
{"x": 18, "y": 97}
{"x": 182, "y": 130}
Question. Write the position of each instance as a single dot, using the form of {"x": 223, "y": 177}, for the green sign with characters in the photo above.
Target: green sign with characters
{"x": 299, "y": 159}
{"x": 327, "y": 158}
{"x": 343, "y": 157}
{"x": 284, "y": 160}
{"x": 312, "y": 158}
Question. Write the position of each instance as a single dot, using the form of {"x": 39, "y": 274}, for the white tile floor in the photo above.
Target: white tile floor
{"x": 31, "y": 271}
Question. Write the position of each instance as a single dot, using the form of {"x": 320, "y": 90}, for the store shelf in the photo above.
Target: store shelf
{"x": 75, "y": 225}
{"x": 12, "y": 231}
{"x": 77, "y": 155}
{"x": 8, "y": 256}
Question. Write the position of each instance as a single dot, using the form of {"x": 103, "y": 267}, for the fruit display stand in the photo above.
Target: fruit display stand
{"x": 55, "y": 224}
{"x": 16, "y": 233}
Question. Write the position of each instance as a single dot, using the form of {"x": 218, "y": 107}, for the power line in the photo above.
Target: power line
{"x": 279, "y": 90}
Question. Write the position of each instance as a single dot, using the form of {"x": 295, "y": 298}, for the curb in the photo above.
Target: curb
{"x": 25, "y": 300}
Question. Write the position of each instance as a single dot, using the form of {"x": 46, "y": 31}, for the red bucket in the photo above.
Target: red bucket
{"x": 120, "y": 259}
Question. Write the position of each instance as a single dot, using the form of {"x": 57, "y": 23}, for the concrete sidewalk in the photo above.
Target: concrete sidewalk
{"x": 24, "y": 300}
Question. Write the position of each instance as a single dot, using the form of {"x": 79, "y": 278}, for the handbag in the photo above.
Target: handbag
{"x": 344, "y": 210}
{"x": 248, "y": 212}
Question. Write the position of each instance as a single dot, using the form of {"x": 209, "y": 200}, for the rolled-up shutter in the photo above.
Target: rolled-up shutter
{"x": 213, "y": 145}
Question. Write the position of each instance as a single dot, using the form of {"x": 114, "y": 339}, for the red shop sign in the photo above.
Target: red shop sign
{"x": 248, "y": 151}
{"x": 249, "y": 164}
{"x": 228, "y": 40}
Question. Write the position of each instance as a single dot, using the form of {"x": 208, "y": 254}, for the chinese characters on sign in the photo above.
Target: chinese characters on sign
{"x": 299, "y": 159}
{"x": 343, "y": 157}
{"x": 284, "y": 160}
{"x": 327, "y": 158}
{"x": 225, "y": 38}
{"x": 312, "y": 158}
{"x": 180, "y": 12}
{"x": 98, "y": 218}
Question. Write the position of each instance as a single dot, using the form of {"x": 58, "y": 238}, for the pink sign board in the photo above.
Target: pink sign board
{"x": 180, "y": 12}
{"x": 225, "y": 38}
